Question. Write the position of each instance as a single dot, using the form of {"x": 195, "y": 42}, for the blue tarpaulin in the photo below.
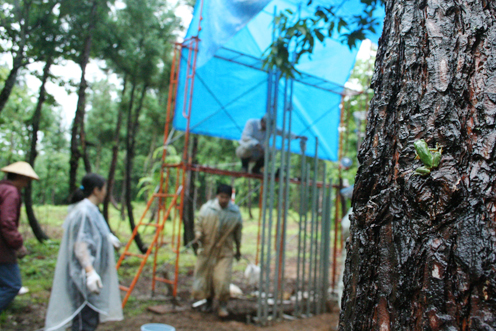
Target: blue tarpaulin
{"x": 231, "y": 88}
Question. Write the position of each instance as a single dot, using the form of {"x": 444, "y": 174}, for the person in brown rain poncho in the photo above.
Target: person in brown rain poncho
{"x": 217, "y": 228}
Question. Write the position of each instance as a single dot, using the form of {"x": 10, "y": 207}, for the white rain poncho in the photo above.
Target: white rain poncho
{"x": 85, "y": 241}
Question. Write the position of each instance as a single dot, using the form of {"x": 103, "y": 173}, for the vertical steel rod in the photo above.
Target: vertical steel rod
{"x": 272, "y": 160}
{"x": 305, "y": 237}
{"x": 299, "y": 253}
{"x": 279, "y": 233}
{"x": 318, "y": 219}
{"x": 322, "y": 242}
{"x": 312, "y": 226}
{"x": 262, "y": 288}
{"x": 270, "y": 129}
{"x": 328, "y": 241}
{"x": 286, "y": 187}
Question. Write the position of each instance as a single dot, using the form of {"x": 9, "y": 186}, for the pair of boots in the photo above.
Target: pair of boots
{"x": 222, "y": 310}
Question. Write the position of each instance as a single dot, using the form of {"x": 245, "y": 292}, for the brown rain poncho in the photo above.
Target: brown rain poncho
{"x": 218, "y": 230}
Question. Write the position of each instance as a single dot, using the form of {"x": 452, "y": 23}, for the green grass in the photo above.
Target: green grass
{"x": 38, "y": 267}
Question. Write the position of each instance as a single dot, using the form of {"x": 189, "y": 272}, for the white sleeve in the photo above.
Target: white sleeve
{"x": 83, "y": 238}
{"x": 288, "y": 135}
{"x": 247, "y": 137}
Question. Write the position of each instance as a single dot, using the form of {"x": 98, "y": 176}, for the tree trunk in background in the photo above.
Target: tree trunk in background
{"x": 148, "y": 166}
{"x": 132, "y": 131}
{"x": 128, "y": 144}
{"x": 77, "y": 132}
{"x": 422, "y": 251}
{"x": 28, "y": 201}
{"x": 17, "y": 62}
{"x": 82, "y": 135}
{"x": 10, "y": 81}
{"x": 189, "y": 202}
{"x": 248, "y": 200}
{"x": 123, "y": 197}
{"x": 115, "y": 154}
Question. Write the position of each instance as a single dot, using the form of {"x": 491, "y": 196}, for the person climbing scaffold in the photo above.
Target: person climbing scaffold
{"x": 251, "y": 144}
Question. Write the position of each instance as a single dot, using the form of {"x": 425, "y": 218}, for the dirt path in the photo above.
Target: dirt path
{"x": 193, "y": 320}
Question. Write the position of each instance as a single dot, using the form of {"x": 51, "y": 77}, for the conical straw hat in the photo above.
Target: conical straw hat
{"x": 21, "y": 168}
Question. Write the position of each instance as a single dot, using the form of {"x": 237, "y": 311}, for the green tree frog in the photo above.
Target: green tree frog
{"x": 430, "y": 157}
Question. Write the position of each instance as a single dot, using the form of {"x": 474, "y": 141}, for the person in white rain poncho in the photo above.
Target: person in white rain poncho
{"x": 85, "y": 287}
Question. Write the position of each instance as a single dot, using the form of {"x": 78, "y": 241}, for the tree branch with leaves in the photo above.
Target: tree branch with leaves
{"x": 296, "y": 36}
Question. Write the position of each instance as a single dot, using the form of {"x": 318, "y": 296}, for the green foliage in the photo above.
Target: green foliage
{"x": 14, "y": 134}
{"x": 148, "y": 184}
{"x": 52, "y": 167}
{"x": 78, "y": 17}
{"x": 355, "y": 106}
{"x": 40, "y": 265}
{"x": 24, "y": 24}
{"x": 296, "y": 36}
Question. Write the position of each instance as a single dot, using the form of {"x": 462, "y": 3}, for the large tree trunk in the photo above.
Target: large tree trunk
{"x": 132, "y": 131}
{"x": 35, "y": 121}
{"x": 422, "y": 251}
{"x": 189, "y": 201}
{"x": 115, "y": 154}
{"x": 77, "y": 132}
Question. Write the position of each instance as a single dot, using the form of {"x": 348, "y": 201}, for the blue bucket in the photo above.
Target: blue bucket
{"x": 157, "y": 327}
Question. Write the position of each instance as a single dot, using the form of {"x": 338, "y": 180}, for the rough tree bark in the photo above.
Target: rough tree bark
{"x": 422, "y": 250}
{"x": 115, "y": 154}
{"x": 77, "y": 131}
{"x": 28, "y": 200}
{"x": 189, "y": 203}
{"x": 132, "y": 131}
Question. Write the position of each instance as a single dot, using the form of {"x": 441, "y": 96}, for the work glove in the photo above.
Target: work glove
{"x": 93, "y": 281}
{"x": 115, "y": 241}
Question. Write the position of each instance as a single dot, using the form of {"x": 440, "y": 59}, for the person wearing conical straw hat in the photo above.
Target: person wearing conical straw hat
{"x": 19, "y": 175}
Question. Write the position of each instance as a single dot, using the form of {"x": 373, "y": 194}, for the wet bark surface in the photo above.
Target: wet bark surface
{"x": 132, "y": 131}
{"x": 28, "y": 199}
{"x": 115, "y": 154}
{"x": 422, "y": 250}
{"x": 189, "y": 198}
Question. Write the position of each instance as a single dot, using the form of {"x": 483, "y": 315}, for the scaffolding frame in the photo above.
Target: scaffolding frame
{"x": 171, "y": 205}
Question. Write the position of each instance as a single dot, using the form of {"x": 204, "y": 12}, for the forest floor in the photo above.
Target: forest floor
{"x": 27, "y": 312}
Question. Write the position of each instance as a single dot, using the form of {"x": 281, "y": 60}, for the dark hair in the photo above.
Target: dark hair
{"x": 88, "y": 184}
{"x": 223, "y": 188}
{"x": 12, "y": 176}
